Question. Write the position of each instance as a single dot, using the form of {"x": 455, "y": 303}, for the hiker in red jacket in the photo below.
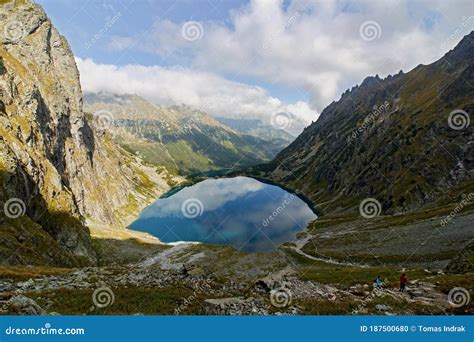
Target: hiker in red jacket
{"x": 403, "y": 282}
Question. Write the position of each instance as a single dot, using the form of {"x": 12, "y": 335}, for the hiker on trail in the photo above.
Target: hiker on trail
{"x": 378, "y": 283}
{"x": 403, "y": 282}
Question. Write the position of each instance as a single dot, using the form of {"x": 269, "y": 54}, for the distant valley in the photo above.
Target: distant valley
{"x": 182, "y": 139}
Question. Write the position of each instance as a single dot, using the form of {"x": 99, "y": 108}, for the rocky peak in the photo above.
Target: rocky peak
{"x": 51, "y": 157}
{"x": 462, "y": 52}
{"x": 389, "y": 139}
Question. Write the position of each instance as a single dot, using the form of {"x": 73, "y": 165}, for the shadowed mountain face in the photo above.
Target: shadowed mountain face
{"x": 179, "y": 138}
{"x": 55, "y": 166}
{"x": 393, "y": 139}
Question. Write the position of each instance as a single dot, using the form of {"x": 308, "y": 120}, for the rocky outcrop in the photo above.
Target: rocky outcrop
{"x": 462, "y": 263}
{"x": 235, "y": 306}
{"x": 182, "y": 139}
{"x": 53, "y": 161}
{"x": 25, "y": 306}
{"x": 392, "y": 139}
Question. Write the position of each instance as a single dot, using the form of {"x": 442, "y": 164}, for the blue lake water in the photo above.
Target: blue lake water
{"x": 241, "y": 212}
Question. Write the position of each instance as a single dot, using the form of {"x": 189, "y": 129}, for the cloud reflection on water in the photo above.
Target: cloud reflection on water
{"x": 234, "y": 210}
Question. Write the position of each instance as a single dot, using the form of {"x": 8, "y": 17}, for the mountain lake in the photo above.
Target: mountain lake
{"x": 241, "y": 212}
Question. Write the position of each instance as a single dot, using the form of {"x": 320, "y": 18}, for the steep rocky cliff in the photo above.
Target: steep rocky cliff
{"x": 57, "y": 168}
{"x": 404, "y": 140}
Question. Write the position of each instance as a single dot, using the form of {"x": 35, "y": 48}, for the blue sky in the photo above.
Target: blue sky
{"x": 257, "y": 57}
{"x": 80, "y": 21}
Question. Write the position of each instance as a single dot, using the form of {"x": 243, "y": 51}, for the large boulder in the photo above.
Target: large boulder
{"x": 25, "y": 306}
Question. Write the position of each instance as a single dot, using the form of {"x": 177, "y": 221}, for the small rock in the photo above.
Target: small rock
{"x": 26, "y": 306}
{"x": 6, "y": 295}
{"x": 25, "y": 284}
{"x": 196, "y": 272}
{"x": 357, "y": 290}
{"x": 382, "y": 307}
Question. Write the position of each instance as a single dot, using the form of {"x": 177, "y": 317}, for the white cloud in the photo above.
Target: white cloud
{"x": 314, "y": 46}
{"x": 310, "y": 46}
{"x": 203, "y": 90}
{"x": 222, "y": 190}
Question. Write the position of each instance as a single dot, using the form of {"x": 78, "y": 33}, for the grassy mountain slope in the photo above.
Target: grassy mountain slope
{"x": 180, "y": 138}
{"x": 389, "y": 139}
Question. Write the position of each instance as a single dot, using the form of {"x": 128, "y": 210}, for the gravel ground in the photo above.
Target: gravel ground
{"x": 423, "y": 243}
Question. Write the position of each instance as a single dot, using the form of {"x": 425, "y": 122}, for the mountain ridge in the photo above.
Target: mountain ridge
{"x": 336, "y": 168}
{"x": 182, "y": 139}
{"x": 55, "y": 165}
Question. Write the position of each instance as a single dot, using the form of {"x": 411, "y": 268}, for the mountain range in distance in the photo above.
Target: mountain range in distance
{"x": 182, "y": 139}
